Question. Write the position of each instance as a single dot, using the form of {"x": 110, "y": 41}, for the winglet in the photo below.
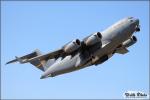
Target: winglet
{"x": 19, "y": 60}
{"x": 12, "y": 61}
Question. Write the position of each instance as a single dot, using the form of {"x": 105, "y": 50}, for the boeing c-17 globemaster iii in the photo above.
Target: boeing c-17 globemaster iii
{"x": 92, "y": 50}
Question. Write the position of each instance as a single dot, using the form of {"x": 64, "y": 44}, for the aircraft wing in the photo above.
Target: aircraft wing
{"x": 49, "y": 55}
{"x": 36, "y": 56}
{"x": 33, "y": 54}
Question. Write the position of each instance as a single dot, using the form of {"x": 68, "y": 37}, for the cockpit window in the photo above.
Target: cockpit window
{"x": 131, "y": 20}
{"x": 130, "y": 17}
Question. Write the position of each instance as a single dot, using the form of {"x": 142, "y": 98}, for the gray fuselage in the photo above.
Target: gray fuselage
{"x": 112, "y": 37}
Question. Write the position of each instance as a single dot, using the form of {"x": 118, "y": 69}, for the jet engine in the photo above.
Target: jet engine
{"x": 72, "y": 46}
{"x": 93, "y": 39}
{"x": 130, "y": 41}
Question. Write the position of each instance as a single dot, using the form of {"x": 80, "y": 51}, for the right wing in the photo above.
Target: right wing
{"x": 49, "y": 55}
{"x": 23, "y": 58}
{"x": 37, "y": 59}
{"x": 40, "y": 61}
{"x": 36, "y": 56}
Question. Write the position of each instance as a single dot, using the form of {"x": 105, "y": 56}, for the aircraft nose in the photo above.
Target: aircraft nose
{"x": 137, "y": 29}
{"x": 137, "y": 21}
{"x": 134, "y": 20}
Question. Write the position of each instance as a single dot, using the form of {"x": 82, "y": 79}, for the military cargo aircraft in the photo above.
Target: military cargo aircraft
{"x": 92, "y": 50}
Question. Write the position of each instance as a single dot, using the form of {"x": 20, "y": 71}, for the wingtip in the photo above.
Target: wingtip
{"x": 12, "y": 61}
{"x": 7, "y": 63}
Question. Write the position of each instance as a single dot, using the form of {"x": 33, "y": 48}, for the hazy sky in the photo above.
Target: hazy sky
{"x": 47, "y": 26}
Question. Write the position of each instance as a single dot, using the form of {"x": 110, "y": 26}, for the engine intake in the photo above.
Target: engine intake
{"x": 130, "y": 41}
{"x": 72, "y": 46}
{"x": 95, "y": 38}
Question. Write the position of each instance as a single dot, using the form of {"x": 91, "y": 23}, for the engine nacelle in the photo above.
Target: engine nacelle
{"x": 130, "y": 41}
{"x": 72, "y": 46}
{"x": 95, "y": 38}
